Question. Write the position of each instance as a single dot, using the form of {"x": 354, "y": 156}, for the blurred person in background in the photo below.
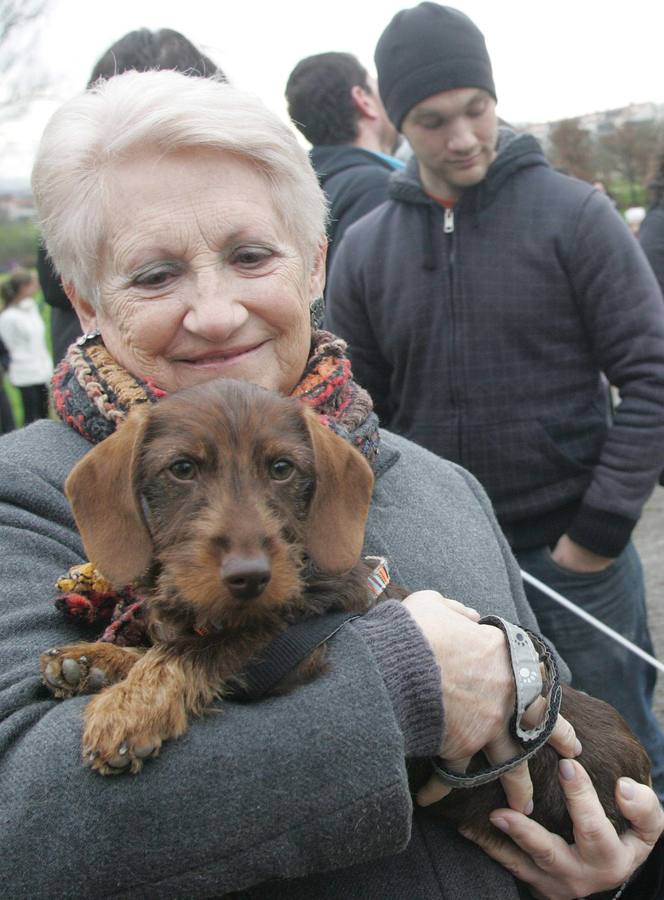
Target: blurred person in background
{"x": 22, "y": 331}
{"x": 634, "y": 216}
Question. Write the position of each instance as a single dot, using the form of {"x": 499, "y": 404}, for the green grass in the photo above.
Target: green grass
{"x": 626, "y": 194}
{"x": 15, "y": 400}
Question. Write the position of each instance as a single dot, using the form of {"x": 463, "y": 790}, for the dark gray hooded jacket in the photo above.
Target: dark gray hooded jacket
{"x": 487, "y": 333}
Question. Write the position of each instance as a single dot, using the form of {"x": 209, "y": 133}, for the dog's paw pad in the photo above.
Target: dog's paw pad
{"x": 96, "y": 680}
{"x": 71, "y": 671}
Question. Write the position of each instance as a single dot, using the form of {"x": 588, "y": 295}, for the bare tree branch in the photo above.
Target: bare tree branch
{"x": 22, "y": 80}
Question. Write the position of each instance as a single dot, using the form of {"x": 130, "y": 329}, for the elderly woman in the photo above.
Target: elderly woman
{"x": 189, "y": 230}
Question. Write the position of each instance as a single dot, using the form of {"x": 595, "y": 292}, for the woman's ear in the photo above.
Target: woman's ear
{"x": 317, "y": 279}
{"x": 87, "y": 314}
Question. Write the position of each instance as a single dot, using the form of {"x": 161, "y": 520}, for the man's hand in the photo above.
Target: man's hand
{"x": 599, "y": 860}
{"x": 478, "y": 696}
{"x": 569, "y": 555}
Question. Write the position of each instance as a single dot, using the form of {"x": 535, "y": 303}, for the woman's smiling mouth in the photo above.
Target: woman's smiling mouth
{"x": 219, "y": 357}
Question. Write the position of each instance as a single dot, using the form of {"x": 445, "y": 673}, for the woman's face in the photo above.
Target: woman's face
{"x": 200, "y": 278}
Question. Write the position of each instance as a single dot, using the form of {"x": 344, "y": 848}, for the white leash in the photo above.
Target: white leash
{"x": 573, "y": 608}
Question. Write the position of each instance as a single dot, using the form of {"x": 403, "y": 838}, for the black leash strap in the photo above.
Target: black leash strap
{"x": 283, "y": 654}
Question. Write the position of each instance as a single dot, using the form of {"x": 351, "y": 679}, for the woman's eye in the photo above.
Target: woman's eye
{"x": 251, "y": 257}
{"x": 155, "y": 278}
{"x": 281, "y": 469}
{"x": 183, "y": 469}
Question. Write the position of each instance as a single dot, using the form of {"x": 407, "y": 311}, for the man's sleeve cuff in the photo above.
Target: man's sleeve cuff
{"x": 601, "y": 532}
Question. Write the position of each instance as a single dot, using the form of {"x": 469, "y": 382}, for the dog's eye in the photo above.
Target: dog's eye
{"x": 281, "y": 469}
{"x": 183, "y": 469}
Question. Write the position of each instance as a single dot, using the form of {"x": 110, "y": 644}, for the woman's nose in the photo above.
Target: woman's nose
{"x": 213, "y": 311}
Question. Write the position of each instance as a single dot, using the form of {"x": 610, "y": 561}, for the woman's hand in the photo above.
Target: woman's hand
{"x": 599, "y": 860}
{"x": 478, "y": 696}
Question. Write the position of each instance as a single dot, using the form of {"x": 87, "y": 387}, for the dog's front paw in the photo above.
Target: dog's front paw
{"x": 68, "y": 671}
{"x": 86, "y": 668}
{"x": 120, "y": 733}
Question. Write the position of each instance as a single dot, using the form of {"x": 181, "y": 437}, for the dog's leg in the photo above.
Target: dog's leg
{"x": 86, "y": 668}
{"x": 128, "y": 721}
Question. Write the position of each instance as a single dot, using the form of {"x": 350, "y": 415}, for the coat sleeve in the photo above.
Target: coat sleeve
{"x": 622, "y": 312}
{"x": 347, "y": 302}
{"x": 307, "y": 782}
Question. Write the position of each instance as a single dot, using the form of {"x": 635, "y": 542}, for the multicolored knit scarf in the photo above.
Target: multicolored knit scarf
{"x": 93, "y": 394}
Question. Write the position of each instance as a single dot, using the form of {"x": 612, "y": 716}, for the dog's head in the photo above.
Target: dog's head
{"x": 227, "y": 487}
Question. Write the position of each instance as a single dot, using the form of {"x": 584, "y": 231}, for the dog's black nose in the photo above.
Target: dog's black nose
{"x": 246, "y": 577}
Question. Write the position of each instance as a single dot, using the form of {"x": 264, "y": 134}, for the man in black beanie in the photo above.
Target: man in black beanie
{"x": 486, "y": 305}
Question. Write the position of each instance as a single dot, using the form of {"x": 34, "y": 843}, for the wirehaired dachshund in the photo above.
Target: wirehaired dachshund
{"x": 236, "y": 514}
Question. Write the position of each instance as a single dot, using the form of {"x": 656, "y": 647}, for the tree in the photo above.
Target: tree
{"x": 21, "y": 81}
{"x": 631, "y": 150}
{"x": 572, "y": 149}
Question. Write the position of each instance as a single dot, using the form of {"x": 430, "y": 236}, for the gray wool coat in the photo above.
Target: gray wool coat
{"x": 300, "y": 787}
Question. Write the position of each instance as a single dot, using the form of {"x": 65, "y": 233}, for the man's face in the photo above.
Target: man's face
{"x": 453, "y": 135}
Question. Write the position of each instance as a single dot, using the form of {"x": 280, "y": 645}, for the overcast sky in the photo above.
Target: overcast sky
{"x": 551, "y": 60}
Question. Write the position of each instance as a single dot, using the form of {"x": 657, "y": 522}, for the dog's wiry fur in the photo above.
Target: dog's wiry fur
{"x": 237, "y": 513}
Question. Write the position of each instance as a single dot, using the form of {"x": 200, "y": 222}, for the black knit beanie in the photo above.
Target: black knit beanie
{"x": 426, "y": 50}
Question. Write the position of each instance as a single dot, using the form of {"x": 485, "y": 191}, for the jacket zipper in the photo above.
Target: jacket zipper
{"x": 448, "y": 229}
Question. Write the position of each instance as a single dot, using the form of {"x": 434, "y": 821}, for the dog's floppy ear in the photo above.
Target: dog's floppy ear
{"x": 340, "y": 505}
{"x": 100, "y": 489}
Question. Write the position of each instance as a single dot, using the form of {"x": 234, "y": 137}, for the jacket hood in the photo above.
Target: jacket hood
{"x": 329, "y": 160}
{"x": 515, "y": 152}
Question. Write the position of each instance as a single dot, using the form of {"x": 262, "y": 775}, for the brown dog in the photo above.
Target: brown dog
{"x": 238, "y": 514}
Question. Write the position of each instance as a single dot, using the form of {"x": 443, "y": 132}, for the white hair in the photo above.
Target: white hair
{"x": 163, "y": 111}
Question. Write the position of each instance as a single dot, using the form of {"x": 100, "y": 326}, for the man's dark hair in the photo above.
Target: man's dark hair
{"x": 162, "y": 49}
{"x": 319, "y": 99}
